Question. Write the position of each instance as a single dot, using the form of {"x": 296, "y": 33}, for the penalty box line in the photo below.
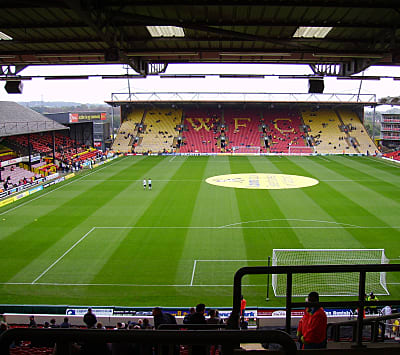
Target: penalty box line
{"x": 219, "y": 260}
{"x": 35, "y": 281}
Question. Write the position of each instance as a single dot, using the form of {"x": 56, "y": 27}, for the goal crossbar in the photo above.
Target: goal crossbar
{"x": 252, "y": 150}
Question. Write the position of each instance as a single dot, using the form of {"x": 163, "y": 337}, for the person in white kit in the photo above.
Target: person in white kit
{"x": 149, "y": 182}
{"x": 144, "y": 184}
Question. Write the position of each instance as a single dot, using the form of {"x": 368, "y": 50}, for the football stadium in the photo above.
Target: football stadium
{"x": 270, "y": 212}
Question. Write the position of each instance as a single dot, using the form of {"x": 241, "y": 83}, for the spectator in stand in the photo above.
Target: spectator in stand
{"x": 53, "y": 323}
{"x": 90, "y": 318}
{"x": 99, "y": 325}
{"x": 66, "y": 323}
{"x": 198, "y": 316}
{"x": 146, "y": 324}
{"x": 214, "y": 319}
{"x": 162, "y": 318}
{"x": 32, "y": 322}
{"x": 3, "y": 327}
{"x": 187, "y": 317}
{"x": 312, "y": 327}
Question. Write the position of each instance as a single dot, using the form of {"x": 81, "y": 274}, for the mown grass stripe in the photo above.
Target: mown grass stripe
{"x": 256, "y": 205}
{"x": 49, "y": 228}
{"x": 377, "y": 182}
{"x": 347, "y": 207}
{"x": 315, "y": 229}
{"x": 152, "y": 253}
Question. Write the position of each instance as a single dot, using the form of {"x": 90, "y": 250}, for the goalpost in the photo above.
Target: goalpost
{"x": 299, "y": 150}
{"x": 334, "y": 284}
{"x": 253, "y": 150}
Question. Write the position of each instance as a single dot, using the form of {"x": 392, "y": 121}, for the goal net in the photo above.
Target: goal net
{"x": 300, "y": 150}
{"x": 254, "y": 150}
{"x": 329, "y": 284}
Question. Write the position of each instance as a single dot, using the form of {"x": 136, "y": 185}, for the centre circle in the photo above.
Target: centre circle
{"x": 262, "y": 181}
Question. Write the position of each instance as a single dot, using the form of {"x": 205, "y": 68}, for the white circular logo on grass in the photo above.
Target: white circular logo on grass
{"x": 262, "y": 181}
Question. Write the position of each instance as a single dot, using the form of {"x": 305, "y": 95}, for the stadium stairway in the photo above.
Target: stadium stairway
{"x": 325, "y": 129}
{"x": 160, "y": 130}
{"x": 357, "y": 131}
{"x": 127, "y": 131}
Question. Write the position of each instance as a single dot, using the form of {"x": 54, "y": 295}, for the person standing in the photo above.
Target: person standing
{"x": 243, "y": 304}
{"x": 32, "y": 322}
{"x": 90, "y": 319}
{"x": 372, "y": 298}
{"x": 149, "y": 183}
{"x": 198, "y": 316}
{"x": 144, "y": 184}
{"x": 312, "y": 327}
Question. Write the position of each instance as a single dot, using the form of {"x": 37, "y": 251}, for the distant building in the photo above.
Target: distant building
{"x": 390, "y": 130}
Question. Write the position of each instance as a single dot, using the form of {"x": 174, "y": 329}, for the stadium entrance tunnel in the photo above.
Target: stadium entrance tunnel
{"x": 262, "y": 181}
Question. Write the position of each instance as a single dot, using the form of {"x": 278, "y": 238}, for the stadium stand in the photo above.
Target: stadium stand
{"x": 357, "y": 134}
{"x": 325, "y": 131}
{"x": 18, "y": 176}
{"x": 201, "y": 133}
{"x": 158, "y": 130}
{"x": 127, "y": 131}
{"x": 6, "y": 153}
{"x": 393, "y": 155}
{"x": 242, "y": 128}
{"x": 284, "y": 129}
{"x": 43, "y": 143}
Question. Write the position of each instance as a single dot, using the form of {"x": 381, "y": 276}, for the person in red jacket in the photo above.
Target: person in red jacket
{"x": 312, "y": 327}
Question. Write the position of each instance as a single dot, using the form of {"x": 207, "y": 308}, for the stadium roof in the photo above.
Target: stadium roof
{"x": 227, "y": 98}
{"x": 336, "y": 37}
{"x": 16, "y": 119}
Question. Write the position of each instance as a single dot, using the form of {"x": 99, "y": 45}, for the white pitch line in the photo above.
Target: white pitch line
{"x": 319, "y": 156}
{"x": 140, "y": 180}
{"x": 131, "y": 285}
{"x": 290, "y": 219}
{"x": 114, "y": 285}
{"x": 194, "y": 270}
{"x": 385, "y": 162}
{"x": 76, "y": 243}
{"x": 172, "y": 158}
{"x": 257, "y": 227}
{"x": 211, "y": 260}
{"x": 69, "y": 183}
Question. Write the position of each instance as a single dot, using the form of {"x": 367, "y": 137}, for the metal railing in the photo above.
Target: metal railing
{"x": 378, "y": 325}
{"x": 228, "y": 339}
{"x": 362, "y": 270}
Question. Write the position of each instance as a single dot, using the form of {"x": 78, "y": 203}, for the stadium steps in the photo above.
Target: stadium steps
{"x": 359, "y": 133}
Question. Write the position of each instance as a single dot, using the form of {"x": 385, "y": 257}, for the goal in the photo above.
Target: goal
{"x": 300, "y": 150}
{"x": 329, "y": 284}
{"x": 253, "y": 150}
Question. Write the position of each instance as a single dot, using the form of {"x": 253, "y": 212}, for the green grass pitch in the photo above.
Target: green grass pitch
{"x": 100, "y": 239}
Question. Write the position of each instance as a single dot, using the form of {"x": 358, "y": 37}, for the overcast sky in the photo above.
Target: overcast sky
{"x": 97, "y": 90}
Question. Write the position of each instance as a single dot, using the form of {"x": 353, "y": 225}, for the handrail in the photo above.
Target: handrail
{"x": 335, "y": 327}
{"x": 233, "y": 322}
{"x": 191, "y": 326}
{"x": 227, "y": 338}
